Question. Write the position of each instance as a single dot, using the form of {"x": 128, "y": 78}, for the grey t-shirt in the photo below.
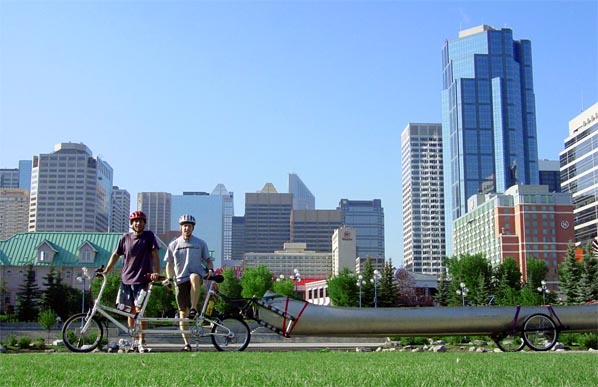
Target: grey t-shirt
{"x": 188, "y": 257}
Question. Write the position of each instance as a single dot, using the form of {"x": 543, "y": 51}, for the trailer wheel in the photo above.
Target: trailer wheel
{"x": 540, "y": 332}
{"x": 511, "y": 342}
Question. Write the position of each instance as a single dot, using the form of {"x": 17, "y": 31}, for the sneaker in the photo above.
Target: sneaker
{"x": 187, "y": 348}
{"x": 141, "y": 347}
{"x": 192, "y": 313}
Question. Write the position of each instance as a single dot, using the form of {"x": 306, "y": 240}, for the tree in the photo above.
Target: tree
{"x": 405, "y": 287}
{"x": 3, "y": 292}
{"x": 569, "y": 275}
{"x": 342, "y": 289}
{"x": 47, "y": 320}
{"x": 442, "y": 291}
{"x": 231, "y": 288}
{"x": 475, "y": 271}
{"x": 388, "y": 294}
{"x": 110, "y": 291}
{"x": 507, "y": 282}
{"x": 367, "y": 290}
{"x": 256, "y": 281}
{"x": 284, "y": 287}
{"x": 536, "y": 272}
{"x": 162, "y": 302}
{"x": 587, "y": 288}
{"x": 27, "y": 297}
{"x": 508, "y": 274}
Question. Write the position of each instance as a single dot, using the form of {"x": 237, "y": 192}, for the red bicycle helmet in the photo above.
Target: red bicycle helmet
{"x": 137, "y": 215}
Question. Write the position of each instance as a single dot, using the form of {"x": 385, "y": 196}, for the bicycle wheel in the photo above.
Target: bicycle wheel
{"x": 230, "y": 334}
{"x": 509, "y": 342}
{"x": 539, "y": 332}
{"x": 76, "y": 339}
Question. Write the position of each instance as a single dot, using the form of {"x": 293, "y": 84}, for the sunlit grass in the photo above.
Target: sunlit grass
{"x": 301, "y": 368}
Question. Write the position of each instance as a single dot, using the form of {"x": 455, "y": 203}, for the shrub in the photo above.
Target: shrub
{"x": 39, "y": 343}
{"x": 12, "y": 340}
{"x": 24, "y": 342}
{"x": 589, "y": 340}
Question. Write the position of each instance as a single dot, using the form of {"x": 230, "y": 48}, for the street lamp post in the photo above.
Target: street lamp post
{"x": 462, "y": 292}
{"x": 360, "y": 283}
{"x": 296, "y": 278}
{"x": 544, "y": 291}
{"x": 375, "y": 280}
{"x": 82, "y": 278}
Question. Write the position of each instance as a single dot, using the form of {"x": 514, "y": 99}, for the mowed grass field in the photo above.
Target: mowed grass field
{"x": 301, "y": 368}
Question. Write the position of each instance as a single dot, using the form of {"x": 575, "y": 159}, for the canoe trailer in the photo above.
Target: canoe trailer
{"x": 511, "y": 327}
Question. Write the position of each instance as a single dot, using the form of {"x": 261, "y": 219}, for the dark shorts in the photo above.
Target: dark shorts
{"x": 127, "y": 294}
{"x": 183, "y": 295}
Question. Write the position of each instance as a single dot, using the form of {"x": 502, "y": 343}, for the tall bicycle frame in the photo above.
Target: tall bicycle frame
{"x": 84, "y": 332}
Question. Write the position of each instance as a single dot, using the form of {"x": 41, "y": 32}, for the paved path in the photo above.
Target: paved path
{"x": 261, "y": 340}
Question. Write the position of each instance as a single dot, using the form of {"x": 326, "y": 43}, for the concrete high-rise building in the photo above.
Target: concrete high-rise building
{"x": 344, "y": 250}
{"x": 229, "y": 212}
{"x": 367, "y": 218}
{"x": 70, "y": 191}
{"x": 208, "y": 211}
{"x": 579, "y": 166}
{"x": 303, "y": 199}
{"x": 157, "y": 207}
{"x": 9, "y": 178}
{"x": 315, "y": 228}
{"x": 14, "y": 211}
{"x": 550, "y": 174}
{"x": 267, "y": 220}
{"x": 121, "y": 208}
{"x": 423, "y": 198}
{"x": 488, "y": 117}
{"x": 293, "y": 256}
{"x": 525, "y": 221}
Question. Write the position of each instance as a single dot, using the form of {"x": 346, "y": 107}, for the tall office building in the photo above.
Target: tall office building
{"x": 208, "y": 211}
{"x": 315, "y": 228}
{"x": 157, "y": 207}
{"x": 70, "y": 191}
{"x": 17, "y": 177}
{"x": 238, "y": 242}
{"x": 267, "y": 220}
{"x": 366, "y": 217}
{"x": 550, "y": 174}
{"x": 14, "y": 211}
{"x": 303, "y": 199}
{"x": 579, "y": 166}
{"x": 423, "y": 198}
{"x": 488, "y": 117}
{"x": 121, "y": 208}
{"x": 229, "y": 212}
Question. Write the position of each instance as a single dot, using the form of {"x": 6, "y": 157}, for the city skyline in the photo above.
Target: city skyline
{"x": 261, "y": 90}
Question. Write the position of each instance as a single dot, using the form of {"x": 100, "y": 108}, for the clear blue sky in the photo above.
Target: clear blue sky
{"x": 180, "y": 96}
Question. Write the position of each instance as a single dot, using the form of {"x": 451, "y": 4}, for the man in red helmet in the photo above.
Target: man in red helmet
{"x": 141, "y": 264}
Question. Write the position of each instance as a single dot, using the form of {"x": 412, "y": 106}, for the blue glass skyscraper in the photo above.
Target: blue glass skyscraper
{"x": 488, "y": 117}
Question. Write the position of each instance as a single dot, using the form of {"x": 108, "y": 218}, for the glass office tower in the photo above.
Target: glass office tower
{"x": 488, "y": 117}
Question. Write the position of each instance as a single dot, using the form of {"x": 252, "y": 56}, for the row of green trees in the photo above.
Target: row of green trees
{"x": 500, "y": 285}
{"x": 57, "y": 296}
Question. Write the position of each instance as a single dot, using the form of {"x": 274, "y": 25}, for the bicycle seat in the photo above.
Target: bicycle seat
{"x": 216, "y": 278}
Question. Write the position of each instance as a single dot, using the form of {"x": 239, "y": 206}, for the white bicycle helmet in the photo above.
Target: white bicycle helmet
{"x": 187, "y": 219}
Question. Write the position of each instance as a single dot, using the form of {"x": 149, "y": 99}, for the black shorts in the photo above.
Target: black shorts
{"x": 183, "y": 295}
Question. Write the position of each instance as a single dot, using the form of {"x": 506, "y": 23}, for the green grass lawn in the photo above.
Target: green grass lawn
{"x": 301, "y": 368}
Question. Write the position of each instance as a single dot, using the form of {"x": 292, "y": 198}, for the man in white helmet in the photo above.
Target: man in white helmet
{"x": 188, "y": 262}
